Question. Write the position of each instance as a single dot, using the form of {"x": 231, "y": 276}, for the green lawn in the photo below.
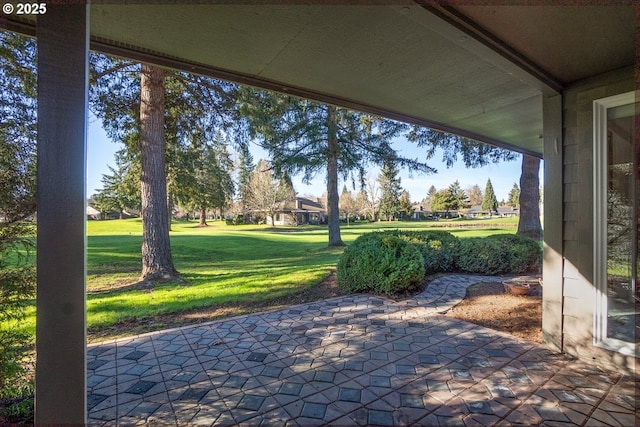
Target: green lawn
{"x": 221, "y": 264}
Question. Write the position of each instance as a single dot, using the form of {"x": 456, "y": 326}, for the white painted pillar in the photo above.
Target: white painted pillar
{"x": 63, "y": 46}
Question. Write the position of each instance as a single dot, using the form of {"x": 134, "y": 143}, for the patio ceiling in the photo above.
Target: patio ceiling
{"x": 479, "y": 71}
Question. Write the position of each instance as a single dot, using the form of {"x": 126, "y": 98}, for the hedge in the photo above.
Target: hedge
{"x": 392, "y": 262}
{"x": 381, "y": 263}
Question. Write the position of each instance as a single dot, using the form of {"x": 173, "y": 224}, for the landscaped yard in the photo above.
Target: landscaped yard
{"x": 227, "y": 270}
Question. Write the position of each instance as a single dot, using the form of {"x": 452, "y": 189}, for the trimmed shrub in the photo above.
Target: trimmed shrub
{"x": 498, "y": 254}
{"x": 382, "y": 263}
{"x": 525, "y": 254}
{"x": 438, "y": 248}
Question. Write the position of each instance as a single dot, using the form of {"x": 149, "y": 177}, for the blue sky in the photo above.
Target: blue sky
{"x": 101, "y": 150}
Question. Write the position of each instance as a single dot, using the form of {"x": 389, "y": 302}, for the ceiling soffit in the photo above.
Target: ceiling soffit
{"x": 400, "y": 60}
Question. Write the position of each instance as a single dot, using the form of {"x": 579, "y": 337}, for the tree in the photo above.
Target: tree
{"x": 489, "y": 202}
{"x": 529, "y": 222}
{"x": 457, "y": 197}
{"x": 370, "y": 198}
{"x": 211, "y": 185}
{"x": 307, "y": 137}
{"x": 474, "y": 154}
{"x": 267, "y": 194}
{"x": 348, "y": 204}
{"x": 245, "y": 170}
{"x": 474, "y": 194}
{"x": 390, "y": 190}
{"x": 155, "y": 112}
{"x": 514, "y": 196}
{"x": 18, "y": 135}
{"x": 120, "y": 189}
{"x": 432, "y": 191}
{"x": 441, "y": 201}
{"x": 405, "y": 206}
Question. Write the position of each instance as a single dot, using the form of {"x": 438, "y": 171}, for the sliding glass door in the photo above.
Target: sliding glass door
{"x": 616, "y": 188}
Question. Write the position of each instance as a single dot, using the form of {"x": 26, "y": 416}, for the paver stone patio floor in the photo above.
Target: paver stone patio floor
{"x": 352, "y": 360}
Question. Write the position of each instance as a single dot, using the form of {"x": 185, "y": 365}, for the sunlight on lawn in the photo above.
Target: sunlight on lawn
{"x": 221, "y": 264}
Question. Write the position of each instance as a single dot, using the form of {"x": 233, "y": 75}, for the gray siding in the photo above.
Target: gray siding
{"x": 578, "y": 288}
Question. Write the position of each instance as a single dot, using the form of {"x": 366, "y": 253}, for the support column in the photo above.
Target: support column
{"x": 62, "y": 123}
{"x": 552, "y": 268}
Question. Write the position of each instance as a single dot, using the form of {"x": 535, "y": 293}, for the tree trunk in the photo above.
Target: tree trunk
{"x": 203, "y": 218}
{"x": 529, "y": 222}
{"x": 157, "y": 262}
{"x": 333, "y": 199}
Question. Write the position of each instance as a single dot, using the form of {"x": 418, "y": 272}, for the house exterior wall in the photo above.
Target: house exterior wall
{"x": 578, "y": 290}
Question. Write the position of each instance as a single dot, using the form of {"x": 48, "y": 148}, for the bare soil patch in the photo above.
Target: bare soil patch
{"x": 487, "y": 304}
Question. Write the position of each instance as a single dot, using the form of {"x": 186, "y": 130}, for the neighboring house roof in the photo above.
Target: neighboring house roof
{"x": 508, "y": 210}
{"x": 92, "y": 211}
{"x": 304, "y": 203}
{"x": 422, "y": 207}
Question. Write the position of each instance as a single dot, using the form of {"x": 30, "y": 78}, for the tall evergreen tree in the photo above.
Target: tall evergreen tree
{"x": 308, "y": 137}
{"x": 245, "y": 170}
{"x": 457, "y": 196}
{"x": 153, "y": 112}
{"x": 441, "y": 201}
{"x": 18, "y": 135}
{"x": 430, "y": 193}
{"x": 211, "y": 185}
{"x": 120, "y": 189}
{"x": 390, "y": 191}
{"x": 474, "y": 154}
{"x": 489, "y": 202}
{"x": 405, "y": 206}
{"x": 514, "y": 196}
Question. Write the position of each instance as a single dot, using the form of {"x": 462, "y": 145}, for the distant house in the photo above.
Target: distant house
{"x": 303, "y": 210}
{"x": 508, "y": 211}
{"x": 421, "y": 211}
{"x": 92, "y": 213}
{"x": 476, "y": 211}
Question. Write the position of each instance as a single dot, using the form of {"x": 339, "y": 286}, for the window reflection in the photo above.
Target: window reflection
{"x": 622, "y": 226}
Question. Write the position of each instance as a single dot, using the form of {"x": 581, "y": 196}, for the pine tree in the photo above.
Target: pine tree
{"x": 211, "y": 186}
{"x": 514, "y": 196}
{"x": 245, "y": 170}
{"x": 18, "y": 127}
{"x": 432, "y": 191}
{"x": 405, "y": 207}
{"x": 489, "y": 202}
{"x": 390, "y": 191}
{"x": 157, "y": 113}
{"x": 120, "y": 189}
{"x": 458, "y": 198}
{"x": 306, "y": 137}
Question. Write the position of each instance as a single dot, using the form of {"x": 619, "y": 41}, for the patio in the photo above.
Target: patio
{"x": 354, "y": 360}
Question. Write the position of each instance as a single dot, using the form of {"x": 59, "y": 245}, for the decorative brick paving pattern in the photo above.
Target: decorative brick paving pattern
{"x": 354, "y": 360}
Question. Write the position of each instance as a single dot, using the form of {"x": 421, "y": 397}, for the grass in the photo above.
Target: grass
{"x": 221, "y": 265}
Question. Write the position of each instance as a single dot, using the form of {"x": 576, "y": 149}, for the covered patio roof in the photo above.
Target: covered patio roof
{"x": 478, "y": 71}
